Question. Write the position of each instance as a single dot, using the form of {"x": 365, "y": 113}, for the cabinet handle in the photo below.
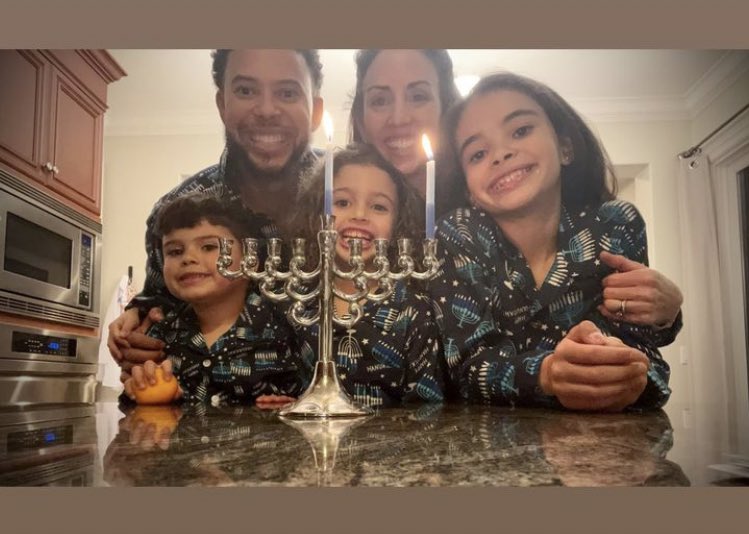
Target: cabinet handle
{"x": 55, "y": 170}
{"x": 48, "y": 167}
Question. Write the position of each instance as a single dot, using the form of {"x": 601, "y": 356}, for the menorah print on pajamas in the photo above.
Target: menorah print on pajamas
{"x": 256, "y": 356}
{"x": 391, "y": 355}
{"x": 497, "y": 327}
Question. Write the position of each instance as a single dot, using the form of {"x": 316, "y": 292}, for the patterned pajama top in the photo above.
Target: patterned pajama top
{"x": 254, "y": 357}
{"x": 391, "y": 355}
{"x": 497, "y": 327}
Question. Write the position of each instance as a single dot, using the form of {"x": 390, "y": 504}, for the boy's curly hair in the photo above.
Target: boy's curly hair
{"x": 189, "y": 210}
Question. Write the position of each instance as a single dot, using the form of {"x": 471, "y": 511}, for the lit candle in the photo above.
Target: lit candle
{"x": 430, "y": 187}
{"x": 328, "y": 125}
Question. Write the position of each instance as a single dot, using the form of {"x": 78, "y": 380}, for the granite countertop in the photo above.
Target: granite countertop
{"x": 420, "y": 445}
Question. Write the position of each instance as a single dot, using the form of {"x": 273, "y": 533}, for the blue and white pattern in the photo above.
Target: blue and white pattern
{"x": 252, "y": 358}
{"x": 498, "y": 327}
{"x": 392, "y": 355}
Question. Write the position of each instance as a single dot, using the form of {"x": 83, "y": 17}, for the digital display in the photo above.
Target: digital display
{"x": 42, "y": 437}
{"x": 28, "y": 343}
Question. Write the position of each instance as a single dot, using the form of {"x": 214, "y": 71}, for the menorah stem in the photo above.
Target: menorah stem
{"x": 325, "y": 396}
{"x": 327, "y": 303}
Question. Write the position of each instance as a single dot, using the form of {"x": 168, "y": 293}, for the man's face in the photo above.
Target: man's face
{"x": 267, "y": 106}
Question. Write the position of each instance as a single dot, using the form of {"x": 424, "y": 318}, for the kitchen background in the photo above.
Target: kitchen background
{"x": 647, "y": 106}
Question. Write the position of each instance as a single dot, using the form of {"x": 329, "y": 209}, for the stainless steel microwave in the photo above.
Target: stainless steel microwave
{"x": 49, "y": 257}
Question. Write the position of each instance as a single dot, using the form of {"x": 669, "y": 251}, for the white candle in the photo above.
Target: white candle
{"x": 328, "y": 125}
{"x": 430, "y": 187}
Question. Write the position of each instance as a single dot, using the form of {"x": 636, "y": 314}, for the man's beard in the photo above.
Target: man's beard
{"x": 247, "y": 170}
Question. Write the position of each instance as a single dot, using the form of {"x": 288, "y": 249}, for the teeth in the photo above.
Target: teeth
{"x": 400, "y": 143}
{"x": 267, "y": 138}
{"x": 357, "y": 235}
{"x": 511, "y": 178}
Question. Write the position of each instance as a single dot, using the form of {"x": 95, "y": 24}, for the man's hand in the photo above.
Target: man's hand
{"x": 589, "y": 371}
{"x": 649, "y": 297}
{"x": 128, "y": 343}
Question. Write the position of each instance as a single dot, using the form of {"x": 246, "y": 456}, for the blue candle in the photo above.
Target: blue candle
{"x": 328, "y": 125}
{"x": 429, "y": 225}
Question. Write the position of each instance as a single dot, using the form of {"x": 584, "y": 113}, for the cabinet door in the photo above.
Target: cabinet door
{"x": 75, "y": 144}
{"x": 21, "y": 108}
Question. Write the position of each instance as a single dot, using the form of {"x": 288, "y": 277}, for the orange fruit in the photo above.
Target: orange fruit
{"x": 162, "y": 392}
{"x": 162, "y": 417}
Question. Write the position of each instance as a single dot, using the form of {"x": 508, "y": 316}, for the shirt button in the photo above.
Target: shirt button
{"x": 206, "y": 363}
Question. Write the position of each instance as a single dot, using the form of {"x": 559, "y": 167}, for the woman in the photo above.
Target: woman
{"x": 401, "y": 94}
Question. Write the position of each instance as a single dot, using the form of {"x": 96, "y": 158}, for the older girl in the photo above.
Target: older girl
{"x": 522, "y": 279}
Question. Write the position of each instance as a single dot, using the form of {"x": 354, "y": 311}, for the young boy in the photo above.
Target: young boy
{"x": 226, "y": 343}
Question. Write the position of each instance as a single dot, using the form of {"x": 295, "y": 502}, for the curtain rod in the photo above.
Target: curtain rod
{"x": 696, "y": 148}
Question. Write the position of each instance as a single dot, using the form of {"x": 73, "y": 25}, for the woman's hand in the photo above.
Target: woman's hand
{"x": 589, "y": 371}
{"x": 638, "y": 294}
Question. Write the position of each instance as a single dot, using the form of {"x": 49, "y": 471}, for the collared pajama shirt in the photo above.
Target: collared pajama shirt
{"x": 497, "y": 327}
{"x": 217, "y": 180}
{"x": 254, "y": 357}
{"x": 391, "y": 355}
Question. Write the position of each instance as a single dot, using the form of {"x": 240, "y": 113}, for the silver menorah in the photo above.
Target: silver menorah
{"x": 325, "y": 397}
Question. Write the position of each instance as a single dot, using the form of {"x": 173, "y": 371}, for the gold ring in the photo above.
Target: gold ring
{"x": 622, "y": 308}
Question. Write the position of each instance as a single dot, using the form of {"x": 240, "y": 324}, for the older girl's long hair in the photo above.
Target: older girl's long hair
{"x": 306, "y": 222}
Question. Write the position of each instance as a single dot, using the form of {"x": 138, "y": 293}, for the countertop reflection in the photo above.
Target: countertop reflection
{"x": 424, "y": 445}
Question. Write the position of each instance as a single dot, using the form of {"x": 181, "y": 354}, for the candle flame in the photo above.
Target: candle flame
{"x": 327, "y": 122}
{"x": 427, "y": 146}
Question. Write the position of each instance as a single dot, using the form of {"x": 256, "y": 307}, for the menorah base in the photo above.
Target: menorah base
{"x": 325, "y": 397}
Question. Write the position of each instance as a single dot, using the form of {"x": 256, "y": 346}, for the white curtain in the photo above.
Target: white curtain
{"x": 703, "y": 332}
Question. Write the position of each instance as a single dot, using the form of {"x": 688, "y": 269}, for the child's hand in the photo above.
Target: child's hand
{"x": 152, "y": 426}
{"x": 589, "y": 371}
{"x": 266, "y": 402}
{"x": 143, "y": 377}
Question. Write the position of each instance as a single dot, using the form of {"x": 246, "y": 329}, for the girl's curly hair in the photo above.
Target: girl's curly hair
{"x": 306, "y": 222}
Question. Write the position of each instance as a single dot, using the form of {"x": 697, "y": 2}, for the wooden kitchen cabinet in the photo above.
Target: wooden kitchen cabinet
{"x": 52, "y": 105}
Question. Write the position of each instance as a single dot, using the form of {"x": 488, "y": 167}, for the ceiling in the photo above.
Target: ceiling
{"x": 171, "y": 91}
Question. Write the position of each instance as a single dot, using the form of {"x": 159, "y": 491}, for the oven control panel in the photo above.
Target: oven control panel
{"x": 87, "y": 255}
{"x": 28, "y": 343}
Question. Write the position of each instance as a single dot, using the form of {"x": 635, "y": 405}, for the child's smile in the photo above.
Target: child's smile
{"x": 365, "y": 206}
{"x": 190, "y": 256}
{"x": 510, "y": 154}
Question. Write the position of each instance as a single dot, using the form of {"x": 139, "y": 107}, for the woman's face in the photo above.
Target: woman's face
{"x": 400, "y": 100}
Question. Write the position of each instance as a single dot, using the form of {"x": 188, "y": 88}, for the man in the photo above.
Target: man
{"x": 269, "y": 102}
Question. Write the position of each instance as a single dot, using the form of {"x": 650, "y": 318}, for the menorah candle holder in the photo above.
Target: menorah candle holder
{"x": 325, "y": 397}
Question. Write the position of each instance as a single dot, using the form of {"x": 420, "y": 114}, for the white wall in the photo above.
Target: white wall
{"x": 137, "y": 171}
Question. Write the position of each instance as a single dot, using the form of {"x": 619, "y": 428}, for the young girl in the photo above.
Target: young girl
{"x": 391, "y": 353}
{"x": 521, "y": 283}
{"x": 224, "y": 343}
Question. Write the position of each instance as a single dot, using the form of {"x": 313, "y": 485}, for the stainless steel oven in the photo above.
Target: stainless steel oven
{"x": 50, "y": 258}
{"x": 49, "y": 446}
